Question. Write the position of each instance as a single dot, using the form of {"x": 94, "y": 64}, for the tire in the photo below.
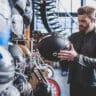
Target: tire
{"x": 55, "y": 87}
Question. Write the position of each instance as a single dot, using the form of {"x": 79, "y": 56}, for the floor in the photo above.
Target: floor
{"x": 62, "y": 81}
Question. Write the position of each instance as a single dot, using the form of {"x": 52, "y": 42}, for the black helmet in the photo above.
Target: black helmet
{"x": 7, "y": 68}
{"x": 24, "y": 7}
{"x": 18, "y": 56}
{"x": 50, "y": 45}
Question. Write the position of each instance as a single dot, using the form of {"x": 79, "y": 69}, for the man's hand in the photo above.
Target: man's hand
{"x": 67, "y": 55}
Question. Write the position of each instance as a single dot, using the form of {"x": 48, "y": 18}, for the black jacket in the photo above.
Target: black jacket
{"x": 83, "y": 69}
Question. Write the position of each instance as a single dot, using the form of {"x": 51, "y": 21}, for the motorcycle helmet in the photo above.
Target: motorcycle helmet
{"x": 27, "y": 53}
{"x": 18, "y": 56}
{"x": 50, "y": 45}
{"x": 28, "y": 56}
{"x": 10, "y": 91}
{"x": 17, "y": 23}
{"x": 5, "y": 9}
{"x": 5, "y": 14}
{"x": 23, "y": 86}
{"x": 25, "y": 50}
{"x": 20, "y": 6}
{"x": 4, "y": 31}
{"x": 7, "y": 69}
{"x": 28, "y": 13}
{"x": 24, "y": 7}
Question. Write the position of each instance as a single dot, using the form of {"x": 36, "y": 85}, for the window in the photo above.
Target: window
{"x": 67, "y": 5}
{"x": 91, "y": 3}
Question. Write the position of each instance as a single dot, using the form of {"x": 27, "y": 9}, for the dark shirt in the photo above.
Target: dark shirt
{"x": 83, "y": 69}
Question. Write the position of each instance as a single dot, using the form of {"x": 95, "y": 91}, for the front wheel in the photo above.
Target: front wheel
{"x": 55, "y": 88}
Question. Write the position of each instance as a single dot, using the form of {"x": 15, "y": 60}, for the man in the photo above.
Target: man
{"x": 82, "y": 56}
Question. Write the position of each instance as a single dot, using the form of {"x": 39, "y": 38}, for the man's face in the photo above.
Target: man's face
{"x": 84, "y": 22}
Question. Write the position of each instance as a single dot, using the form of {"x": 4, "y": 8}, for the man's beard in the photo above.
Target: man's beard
{"x": 83, "y": 29}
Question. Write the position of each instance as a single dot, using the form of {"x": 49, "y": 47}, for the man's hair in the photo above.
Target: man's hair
{"x": 88, "y": 10}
